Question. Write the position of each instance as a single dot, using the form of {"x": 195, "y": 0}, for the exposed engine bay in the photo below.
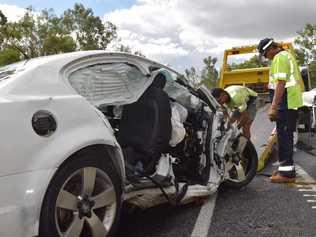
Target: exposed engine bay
{"x": 202, "y": 150}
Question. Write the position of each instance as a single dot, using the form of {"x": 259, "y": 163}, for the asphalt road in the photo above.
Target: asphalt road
{"x": 260, "y": 209}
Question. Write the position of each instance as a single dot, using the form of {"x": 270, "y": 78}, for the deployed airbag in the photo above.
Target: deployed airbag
{"x": 178, "y": 115}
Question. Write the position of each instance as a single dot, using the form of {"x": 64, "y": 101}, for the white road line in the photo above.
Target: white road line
{"x": 302, "y": 186}
{"x": 204, "y": 219}
{"x": 306, "y": 190}
{"x": 309, "y": 195}
{"x": 306, "y": 178}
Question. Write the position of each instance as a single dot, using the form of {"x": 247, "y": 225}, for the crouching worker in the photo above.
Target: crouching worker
{"x": 242, "y": 102}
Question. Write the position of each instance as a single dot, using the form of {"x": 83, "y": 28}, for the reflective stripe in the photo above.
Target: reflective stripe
{"x": 286, "y": 168}
{"x": 267, "y": 45}
{"x": 292, "y": 82}
{"x": 271, "y": 83}
{"x": 291, "y": 66}
{"x": 279, "y": 75}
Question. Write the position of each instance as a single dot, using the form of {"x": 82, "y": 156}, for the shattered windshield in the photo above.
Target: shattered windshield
{"x": 7, "y": 71}
{"x": 179, "y": 92}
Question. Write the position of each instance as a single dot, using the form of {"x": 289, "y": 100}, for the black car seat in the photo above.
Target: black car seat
{"x": 145, "y": 126}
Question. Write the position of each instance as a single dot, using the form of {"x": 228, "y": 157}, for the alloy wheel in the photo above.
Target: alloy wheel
{"x": 86, "y": 204}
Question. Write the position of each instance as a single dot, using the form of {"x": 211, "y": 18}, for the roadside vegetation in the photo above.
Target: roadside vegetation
{"x": 45, "y": 33}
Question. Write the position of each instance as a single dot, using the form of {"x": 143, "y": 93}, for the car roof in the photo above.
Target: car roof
{"x": 59, "y": 61}
{"x": 65, "y": 58}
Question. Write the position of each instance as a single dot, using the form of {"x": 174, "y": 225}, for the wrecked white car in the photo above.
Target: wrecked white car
{"x": 83, "y": 132}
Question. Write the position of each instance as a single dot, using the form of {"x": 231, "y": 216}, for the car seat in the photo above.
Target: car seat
{"x": 145, "y": 127}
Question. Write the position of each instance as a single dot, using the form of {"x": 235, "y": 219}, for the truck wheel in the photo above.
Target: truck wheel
{"x": 240, "y": 176}
{"x": 83, "y": 198}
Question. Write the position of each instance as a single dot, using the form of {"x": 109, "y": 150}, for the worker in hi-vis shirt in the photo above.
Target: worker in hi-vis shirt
{"x": 286, "y": 96}
{"x": 242, "y": 102}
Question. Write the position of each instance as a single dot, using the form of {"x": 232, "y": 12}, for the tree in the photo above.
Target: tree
{"x": 306, "y": 53}
{"x": 8, "y": 56}
{"x": 3, "y": 22}
{"x": 253, "y": 62}
{"x": 126, "y": 49}
{"x": 91, "y": 32}
{"x": 192, "y": 76}
{"x": 306, "y": 40}
{"x": 123, "y": 48}
{"x": 44, "y": 33}
{"x": 54, "y": 36}
{"x": 312, "y": 73}
{"x": 209, "y": 75}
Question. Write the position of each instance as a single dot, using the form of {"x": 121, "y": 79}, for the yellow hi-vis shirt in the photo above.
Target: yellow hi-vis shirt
{"x": 284, "y": 67}
{"x": 239, "y": 97}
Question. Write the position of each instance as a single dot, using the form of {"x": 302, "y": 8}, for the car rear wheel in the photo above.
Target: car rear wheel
{"x": 83, "y": 198}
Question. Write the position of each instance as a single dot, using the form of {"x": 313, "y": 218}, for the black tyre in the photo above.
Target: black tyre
{"x": 249, "y": 163}
{"x": 83, "y": 198}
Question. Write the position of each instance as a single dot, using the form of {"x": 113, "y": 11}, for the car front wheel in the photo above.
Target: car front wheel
{"x": 83, "y": 198}
{"x": 243, "y": 172}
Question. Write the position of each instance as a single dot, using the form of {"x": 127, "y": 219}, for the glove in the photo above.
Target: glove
{"x": 273, "y": 114}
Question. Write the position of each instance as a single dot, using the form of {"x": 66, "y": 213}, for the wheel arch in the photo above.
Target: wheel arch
{"x": 106, "y": 150}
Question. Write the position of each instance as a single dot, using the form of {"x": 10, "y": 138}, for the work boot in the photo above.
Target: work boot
{"x": 274, "y": 173}
{"x": 278, "y": 178}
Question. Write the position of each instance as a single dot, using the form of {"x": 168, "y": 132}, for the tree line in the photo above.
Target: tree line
{"x": 44, "y": 33}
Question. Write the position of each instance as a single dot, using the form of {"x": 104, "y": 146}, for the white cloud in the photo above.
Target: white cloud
{"x": 153, "y": 47}
{"x": 154, "y": 28}
{"x": 13, "y": 13}
{"x": 182, "y": 32}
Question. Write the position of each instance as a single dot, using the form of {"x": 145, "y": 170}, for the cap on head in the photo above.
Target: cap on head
{"x": 263, "y": 45}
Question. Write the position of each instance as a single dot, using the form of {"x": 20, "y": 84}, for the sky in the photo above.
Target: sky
{"x": 180, "y": 33}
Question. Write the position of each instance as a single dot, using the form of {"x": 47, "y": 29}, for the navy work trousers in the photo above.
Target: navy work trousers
{"x": 286, "y": 125}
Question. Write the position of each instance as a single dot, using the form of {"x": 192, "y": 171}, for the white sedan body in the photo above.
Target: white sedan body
{"x": 28, "y": 160}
